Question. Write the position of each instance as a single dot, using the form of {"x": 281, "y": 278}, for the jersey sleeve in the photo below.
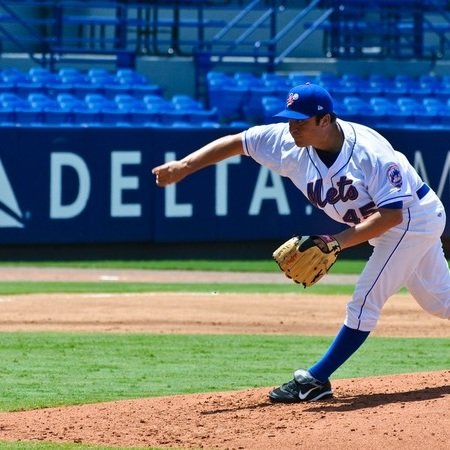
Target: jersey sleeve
{"x": 264, "y": 144}
{"x": 390, "y": 186}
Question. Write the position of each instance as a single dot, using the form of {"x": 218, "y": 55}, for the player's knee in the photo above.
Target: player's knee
{"x": 360, "y": 320}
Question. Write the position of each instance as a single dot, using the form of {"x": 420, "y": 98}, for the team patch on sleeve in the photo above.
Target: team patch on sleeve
{"x": 394, "y": 176}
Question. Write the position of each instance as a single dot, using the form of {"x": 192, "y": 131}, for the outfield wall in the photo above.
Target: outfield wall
{"x": 93, "y": 185}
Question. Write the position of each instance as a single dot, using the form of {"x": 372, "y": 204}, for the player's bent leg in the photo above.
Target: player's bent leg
{"x": 429, "y": 284}
{"x": 396, "y": 255}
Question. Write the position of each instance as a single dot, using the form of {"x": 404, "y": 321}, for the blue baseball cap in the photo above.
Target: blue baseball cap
{"x": 307, "y": 100}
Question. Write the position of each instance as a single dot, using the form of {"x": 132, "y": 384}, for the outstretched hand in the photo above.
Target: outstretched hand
{"x": 168, "y": 173}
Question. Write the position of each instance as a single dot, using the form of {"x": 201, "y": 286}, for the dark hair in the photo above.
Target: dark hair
{"x": 319, "y": 117}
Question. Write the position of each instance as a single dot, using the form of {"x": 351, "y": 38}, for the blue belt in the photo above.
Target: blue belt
{"x": 422, "y": 191}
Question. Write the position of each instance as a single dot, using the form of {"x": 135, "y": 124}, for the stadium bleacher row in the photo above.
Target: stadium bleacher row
{"x": 124, "y": 97}
{"x": 376, "y": 100}
{"x": 71, "y": 97}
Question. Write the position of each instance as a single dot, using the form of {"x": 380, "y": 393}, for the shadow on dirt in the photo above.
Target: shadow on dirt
{"x": 342, "y": 404}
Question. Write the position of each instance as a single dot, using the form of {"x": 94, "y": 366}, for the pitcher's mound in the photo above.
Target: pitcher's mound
{"x": 409, "y": 411}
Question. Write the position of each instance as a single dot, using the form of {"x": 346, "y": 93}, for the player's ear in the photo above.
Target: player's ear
{"x": 323, "y": 120}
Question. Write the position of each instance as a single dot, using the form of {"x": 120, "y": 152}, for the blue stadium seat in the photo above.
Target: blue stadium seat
{"x": 156, "y": 102}
{"x": 253, "y": 108}
{"x": 70, "y": 101}
{"x": 179, "y": 123}
{"x": 219, "y": 77}
{"x": 6, "y": 86}
{"x": 45, "y": 79}
{"x": 434, "y": 103}
{"x": 431, "y": 83}
{"x": 278, "y": 82}
{"x": 228, "y": 99}
{"x": 353, "y": 84}
{"x": 131, "y": 77}
{"x": 181, "y": 101}
{"x": 12, "y": 72}
{"x": 69, "y": 72}
{"x": 341, "y": 89}
{"x": 297, "y": 78}
{"x": 416, "y": 111}
{"x": 129, "y": 102}
{"x": 327, "y": 77}
{"x": 38, "y": 70}
{"x": 355, "y": 108}
{"x": 407, "y": 101}
{"x": 98, "y": 72}
{"x": 391, "y": 88}
{"x": 356, "y": 103}
{"x": 98, "y": 101}
{"x": 241, "y": 124}
{"x": 366, "y": 87}
{"x": 272, "y": 106}
{"x": 381, "y": 111}
{"x": 210, "y": 124}
{"x": 246, "y": 79}
{"x": 41, "y": 99}
{"x": 339, "y": 107}
{"x": 26, "y": 86}
{"x": 198, "y": 116}
{"x": 406, "y": 82}
{"x": 73, "y": 78}
{"x": 11, "y": 98}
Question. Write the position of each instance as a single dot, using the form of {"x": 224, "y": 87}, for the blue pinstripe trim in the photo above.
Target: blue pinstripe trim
{"x": 312, "y": 161}
{"x": 351, "y": 153}
{"x": 345, "y": 165}
{"x": 381, "y": 271}
{"x": 393, "y": 199}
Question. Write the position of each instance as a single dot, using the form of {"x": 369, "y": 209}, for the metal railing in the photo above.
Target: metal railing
{"x": 207, "y": 30}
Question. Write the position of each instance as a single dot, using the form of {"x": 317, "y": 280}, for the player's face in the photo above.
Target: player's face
{"x": 304, "y": 131}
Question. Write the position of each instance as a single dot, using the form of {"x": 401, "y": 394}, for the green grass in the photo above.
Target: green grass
{"x": 36, "y": 287}
{"x": 51, "y": 446}
{"x": 266, "y": 265}
{"x": 56, "y": 369}
{"x": 20, "y": 287}
{"x": 52, "y": 369}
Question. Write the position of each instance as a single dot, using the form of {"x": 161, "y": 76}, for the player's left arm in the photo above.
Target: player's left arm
{"x": 374, "y": 226}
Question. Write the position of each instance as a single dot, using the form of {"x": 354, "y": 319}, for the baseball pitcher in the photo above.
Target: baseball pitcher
{"x": 354, "y": 175}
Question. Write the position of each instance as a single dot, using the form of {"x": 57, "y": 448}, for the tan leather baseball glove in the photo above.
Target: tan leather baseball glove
{"x": 306, "y": 259}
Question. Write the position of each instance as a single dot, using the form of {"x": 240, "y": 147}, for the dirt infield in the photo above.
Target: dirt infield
{"x": 394, "y": 412}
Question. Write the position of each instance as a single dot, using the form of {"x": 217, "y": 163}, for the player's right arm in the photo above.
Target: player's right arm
{"x": 212, "y": 153}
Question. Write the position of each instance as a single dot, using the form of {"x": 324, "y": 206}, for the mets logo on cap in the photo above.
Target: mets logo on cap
{"x": 292, "y": 97}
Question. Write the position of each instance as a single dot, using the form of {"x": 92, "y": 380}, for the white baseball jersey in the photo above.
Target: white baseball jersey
{"x": 369, "y": 174}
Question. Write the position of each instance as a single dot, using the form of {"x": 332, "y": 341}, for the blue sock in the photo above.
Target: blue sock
{"x": 344, "y": 345}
